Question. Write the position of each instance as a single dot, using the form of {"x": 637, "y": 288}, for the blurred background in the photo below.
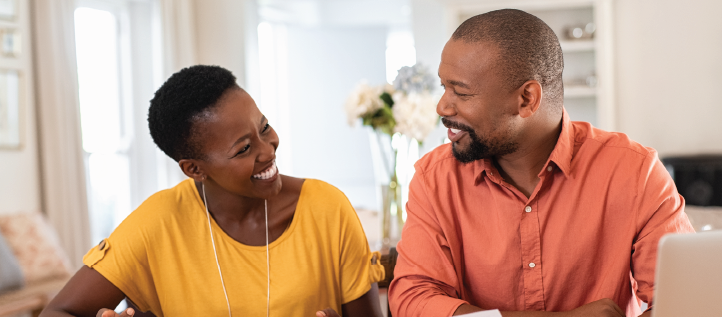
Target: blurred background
{"x": 76, "y": 77}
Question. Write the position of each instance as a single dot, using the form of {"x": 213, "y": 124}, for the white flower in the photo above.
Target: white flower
{"x": 363, "y": 100}
{"x": 415, "y": 114}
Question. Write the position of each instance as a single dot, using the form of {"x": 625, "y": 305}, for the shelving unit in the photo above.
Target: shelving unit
{"x": 577, "y": 46}
{"x": 585, "y": 98}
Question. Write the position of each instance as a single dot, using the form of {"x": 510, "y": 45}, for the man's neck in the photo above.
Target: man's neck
{"x": 521, "y": 168}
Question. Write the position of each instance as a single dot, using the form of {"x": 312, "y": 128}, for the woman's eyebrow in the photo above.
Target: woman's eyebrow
{"x": 246, "y": 136}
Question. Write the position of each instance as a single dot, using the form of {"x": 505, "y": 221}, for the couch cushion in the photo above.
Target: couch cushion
{"x": 35, "y": 245}
{"x": 11, "y": 276}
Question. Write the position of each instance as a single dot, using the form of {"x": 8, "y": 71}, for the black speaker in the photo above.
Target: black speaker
{"x": 698, "y": 178}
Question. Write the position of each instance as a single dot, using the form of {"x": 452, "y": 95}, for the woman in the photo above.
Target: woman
{"x": 206, "y": 246}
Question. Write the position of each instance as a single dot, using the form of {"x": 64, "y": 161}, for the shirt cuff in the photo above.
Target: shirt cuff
{"x": 442, "y": 306}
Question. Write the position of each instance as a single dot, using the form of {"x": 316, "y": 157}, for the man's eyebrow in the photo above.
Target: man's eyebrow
{"x": 460, "y": 84}
{"x": 263, "y": 118}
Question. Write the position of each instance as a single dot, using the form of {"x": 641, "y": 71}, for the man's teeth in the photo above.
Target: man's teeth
{"x": 455, "y": 131}
{"x": 272, "y": 171}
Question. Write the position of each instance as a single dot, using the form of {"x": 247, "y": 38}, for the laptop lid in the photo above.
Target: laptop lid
{"x": 689, "y": 275}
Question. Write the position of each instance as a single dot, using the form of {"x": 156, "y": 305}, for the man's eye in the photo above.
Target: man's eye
{"x": 265, "y": 128}
{"x": 460, "y": 95}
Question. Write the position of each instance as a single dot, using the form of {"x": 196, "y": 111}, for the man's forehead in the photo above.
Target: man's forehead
{"x": 460, "y": 59}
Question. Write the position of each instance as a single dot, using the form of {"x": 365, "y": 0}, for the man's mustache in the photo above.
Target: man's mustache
{"x": 455, "y": 125}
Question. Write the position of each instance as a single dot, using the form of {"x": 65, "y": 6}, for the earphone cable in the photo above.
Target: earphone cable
{"x": 268, "y": 266}
{"x": 208, "y": 215}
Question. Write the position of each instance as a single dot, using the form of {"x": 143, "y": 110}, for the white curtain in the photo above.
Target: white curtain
{"x": 63, "y": 173}
{"x": 61, "y": 153}
{"x": 177, "y": 33}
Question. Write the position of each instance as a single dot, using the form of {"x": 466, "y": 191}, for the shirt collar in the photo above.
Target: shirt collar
{"x": 561, "y": 155}
{"x": 564, "y": 150}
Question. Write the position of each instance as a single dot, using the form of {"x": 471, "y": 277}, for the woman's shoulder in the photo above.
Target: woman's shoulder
{"x": 165, "y": 203}
{"x": 315, "y": 190}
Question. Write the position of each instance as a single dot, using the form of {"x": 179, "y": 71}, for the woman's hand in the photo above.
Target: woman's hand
{"x": 104, "y": 312}
{"x": 328, "y": 312}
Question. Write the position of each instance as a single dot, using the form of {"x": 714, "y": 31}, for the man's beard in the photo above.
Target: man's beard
{"x": 479, "y": 148}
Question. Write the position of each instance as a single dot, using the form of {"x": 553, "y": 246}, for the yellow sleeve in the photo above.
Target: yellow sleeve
{"x": 122, "y": 259}
{"x": 357, "y": 271}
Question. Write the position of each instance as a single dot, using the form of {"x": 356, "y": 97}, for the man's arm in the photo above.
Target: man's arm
{"x": 659, "y": 210}
{"x": 425, "y": 280}
{"x": 601, "y": 308}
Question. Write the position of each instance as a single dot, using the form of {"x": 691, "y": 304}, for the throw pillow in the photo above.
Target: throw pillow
{"x": 11, "y": 276}
{"x": 35, "y": 245}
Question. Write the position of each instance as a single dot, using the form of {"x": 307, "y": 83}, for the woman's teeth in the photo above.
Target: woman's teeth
{"x": 270, "y": 172}
{"x": 455, "y": 131}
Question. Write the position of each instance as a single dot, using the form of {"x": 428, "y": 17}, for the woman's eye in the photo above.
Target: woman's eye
{"x": 265, "y": 128}
{"x": 244, "y": 149}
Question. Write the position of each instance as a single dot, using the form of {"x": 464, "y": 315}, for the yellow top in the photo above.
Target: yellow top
{"x": 161, "y": 257}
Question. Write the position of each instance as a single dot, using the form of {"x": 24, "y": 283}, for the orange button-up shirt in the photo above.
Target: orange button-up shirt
{"x": 588, "y": 231}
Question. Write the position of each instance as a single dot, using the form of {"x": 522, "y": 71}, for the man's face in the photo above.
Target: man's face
{"x": 477, "y": 106}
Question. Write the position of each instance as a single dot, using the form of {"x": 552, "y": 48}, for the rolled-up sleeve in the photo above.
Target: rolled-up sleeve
{"x": 660, "y": 210}
{"x": 426, "y": 282}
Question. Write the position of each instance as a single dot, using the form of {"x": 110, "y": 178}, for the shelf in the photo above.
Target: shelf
{"x": 577, "y": 46}
{"x": 579, "y": 91}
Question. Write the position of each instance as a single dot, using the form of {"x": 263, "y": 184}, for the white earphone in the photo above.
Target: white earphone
{"x": 268, "y": 262}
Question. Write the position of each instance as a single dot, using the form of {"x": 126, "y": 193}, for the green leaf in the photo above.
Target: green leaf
{"x": 387, "y": 99}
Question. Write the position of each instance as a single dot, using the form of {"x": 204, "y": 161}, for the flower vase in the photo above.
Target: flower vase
{"x": 391, "y": 215}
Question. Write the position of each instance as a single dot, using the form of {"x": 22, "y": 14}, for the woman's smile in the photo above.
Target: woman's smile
{"x": 269, "y": 174}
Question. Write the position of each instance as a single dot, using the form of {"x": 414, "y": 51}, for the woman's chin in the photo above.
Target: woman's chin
{"x": 268, "y": 188}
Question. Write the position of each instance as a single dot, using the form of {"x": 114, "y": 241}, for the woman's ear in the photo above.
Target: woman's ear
{"x": 191, "y": 168}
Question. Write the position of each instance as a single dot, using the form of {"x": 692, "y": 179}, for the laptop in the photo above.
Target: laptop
{"x": 689, "y": 275}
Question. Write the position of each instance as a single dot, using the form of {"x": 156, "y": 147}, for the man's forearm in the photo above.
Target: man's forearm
{"x": 468, "y": 309}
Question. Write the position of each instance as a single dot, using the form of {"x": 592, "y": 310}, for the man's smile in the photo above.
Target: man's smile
{"x": 455, "y": 134}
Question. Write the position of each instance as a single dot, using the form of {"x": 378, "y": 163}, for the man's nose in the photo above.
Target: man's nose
{"x": 445, "y": 108}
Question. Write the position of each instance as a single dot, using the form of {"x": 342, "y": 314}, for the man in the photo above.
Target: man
{"x": 526, "y": 211}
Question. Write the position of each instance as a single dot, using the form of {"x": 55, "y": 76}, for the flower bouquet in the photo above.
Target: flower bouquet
{"x": 402, "y": 113}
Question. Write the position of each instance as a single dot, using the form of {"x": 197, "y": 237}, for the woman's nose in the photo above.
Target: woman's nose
{"x": 268, "y": 152}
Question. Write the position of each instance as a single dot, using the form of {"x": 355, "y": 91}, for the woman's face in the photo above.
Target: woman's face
{"x": 238, "y": 147}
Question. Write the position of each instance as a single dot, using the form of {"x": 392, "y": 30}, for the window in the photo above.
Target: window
{"x": 105, "y": 123}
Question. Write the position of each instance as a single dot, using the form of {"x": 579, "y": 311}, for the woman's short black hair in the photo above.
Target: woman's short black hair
{"x": 176, "y": 104}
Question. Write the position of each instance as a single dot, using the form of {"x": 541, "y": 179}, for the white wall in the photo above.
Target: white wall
{"x": 324, "y": 64}
{"x": 20, "y": 170}
{"x": 220, "y": 33}
{"x": 669, "y": 61}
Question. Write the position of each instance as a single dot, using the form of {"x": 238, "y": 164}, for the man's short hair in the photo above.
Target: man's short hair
{"x": 180, "y": 101}
{"x": 529, "y": 49}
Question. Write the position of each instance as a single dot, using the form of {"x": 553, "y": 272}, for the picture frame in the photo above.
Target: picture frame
{"x": 10, "y": 109}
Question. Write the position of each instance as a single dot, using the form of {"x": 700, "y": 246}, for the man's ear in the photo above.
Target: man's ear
{"x": 531, "y": 95}
{"x": 191, "y": 168}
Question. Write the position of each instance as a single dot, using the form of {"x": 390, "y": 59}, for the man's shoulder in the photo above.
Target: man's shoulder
{"x": 441, "y": 156}
{"x": 607, "y": 141}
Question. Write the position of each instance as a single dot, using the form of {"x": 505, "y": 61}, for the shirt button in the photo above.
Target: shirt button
{"x": 532, "y": 265}
{"x": 549, "y": 168}
{"x": 527, "y": 209}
